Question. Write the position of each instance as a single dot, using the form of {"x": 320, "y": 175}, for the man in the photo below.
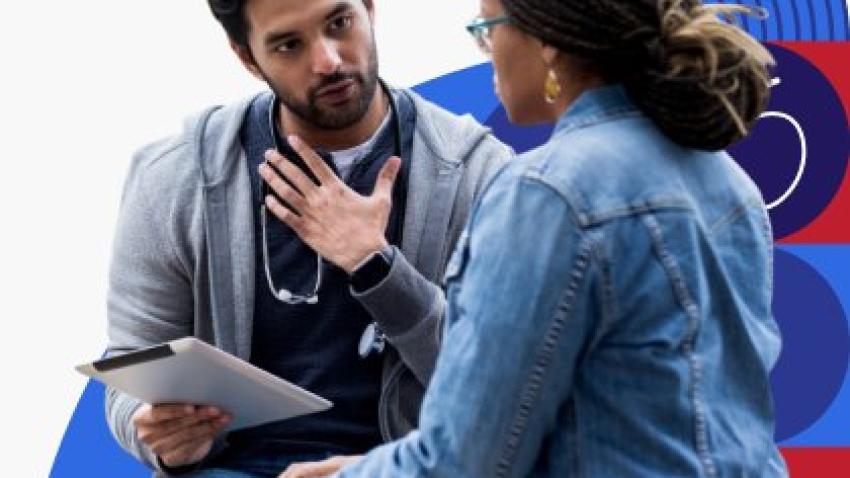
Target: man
{"x": 219, "y": 236}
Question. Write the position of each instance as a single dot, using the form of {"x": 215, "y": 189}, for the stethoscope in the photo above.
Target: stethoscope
{"x": 373, "y": 339}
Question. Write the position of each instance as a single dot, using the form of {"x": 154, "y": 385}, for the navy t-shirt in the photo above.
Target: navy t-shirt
{"x": 315, "y": 346}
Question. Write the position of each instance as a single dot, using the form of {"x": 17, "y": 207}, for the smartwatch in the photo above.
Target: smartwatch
{"x": 373, "y": 269}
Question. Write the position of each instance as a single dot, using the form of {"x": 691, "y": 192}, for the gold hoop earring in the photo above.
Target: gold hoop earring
{"x": 551, "y": 88}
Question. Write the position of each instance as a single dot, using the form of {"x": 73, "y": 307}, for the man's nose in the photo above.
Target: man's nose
{"x": 326, "y": 59}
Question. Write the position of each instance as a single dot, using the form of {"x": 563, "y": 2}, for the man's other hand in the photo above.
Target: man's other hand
{"x": 179, "y": 434}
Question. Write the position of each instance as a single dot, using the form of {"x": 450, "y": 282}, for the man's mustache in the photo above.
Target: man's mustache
{"x": 332, "y": 80}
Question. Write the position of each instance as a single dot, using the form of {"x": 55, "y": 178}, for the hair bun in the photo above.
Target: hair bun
{"x": 704, "y": 81}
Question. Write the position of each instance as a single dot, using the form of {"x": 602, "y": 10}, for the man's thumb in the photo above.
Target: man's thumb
{"x": 387, "y": 177}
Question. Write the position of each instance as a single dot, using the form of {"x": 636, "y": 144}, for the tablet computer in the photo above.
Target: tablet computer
{"x": 189, "y": 370}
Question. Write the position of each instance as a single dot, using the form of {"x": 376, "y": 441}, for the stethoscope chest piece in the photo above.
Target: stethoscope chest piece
{"x": 372, "y": 341}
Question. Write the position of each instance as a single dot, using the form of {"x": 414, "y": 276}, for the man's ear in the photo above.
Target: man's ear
{"x": 247, "y": 59}
{"x": 370, "y": 9}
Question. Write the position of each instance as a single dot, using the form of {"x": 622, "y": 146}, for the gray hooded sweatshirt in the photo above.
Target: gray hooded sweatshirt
{"x": 183, "y": 256}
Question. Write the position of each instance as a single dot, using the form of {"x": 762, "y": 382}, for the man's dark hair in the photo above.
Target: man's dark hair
{"x": 231, "y": 15}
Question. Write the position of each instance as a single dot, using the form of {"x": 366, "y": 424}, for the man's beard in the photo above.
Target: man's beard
{"x": 333, "y": 118}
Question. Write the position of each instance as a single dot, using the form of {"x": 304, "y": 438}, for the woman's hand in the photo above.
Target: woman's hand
{"x": 318, "y": 469}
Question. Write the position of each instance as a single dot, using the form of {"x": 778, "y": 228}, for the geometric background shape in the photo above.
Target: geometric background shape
{"x": 832, "y": 263}
{"x": 798, "y": 153}
{"x": 797, "y": 20}
{"x": 812, "y": 366}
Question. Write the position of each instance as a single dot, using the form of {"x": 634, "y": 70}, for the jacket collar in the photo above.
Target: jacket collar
{"x": 595, "y": 106}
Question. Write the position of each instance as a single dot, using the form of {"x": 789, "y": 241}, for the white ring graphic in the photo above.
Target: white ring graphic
{"x": 803, "y": 155}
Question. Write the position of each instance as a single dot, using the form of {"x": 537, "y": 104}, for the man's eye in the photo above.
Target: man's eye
{"x": 288, "y": 46}
{"x": 342, "y": 23}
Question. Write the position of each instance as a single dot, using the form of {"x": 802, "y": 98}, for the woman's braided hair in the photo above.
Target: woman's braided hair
{"x": 700, "y": 78}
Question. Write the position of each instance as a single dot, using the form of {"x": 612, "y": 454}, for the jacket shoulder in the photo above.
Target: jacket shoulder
{"x": 455, "y": 138}
{"x": 172, "y": 163}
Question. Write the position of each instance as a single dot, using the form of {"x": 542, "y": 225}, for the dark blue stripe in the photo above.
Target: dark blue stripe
{"x": 810, "y": 11}
{"x": 769, "y": 23}
{"x": 795, "y": 15}
{"x": 829, "y": 20}
{"x": 780, "y": 27}
{"x": 753, "y": 25}
{"x": 784, "y": 31}
{"x": 820, "y": 16}
{"x": 796, "y": 20}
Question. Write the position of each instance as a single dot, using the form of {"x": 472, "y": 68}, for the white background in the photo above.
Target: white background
{"x": 83, "y": 84}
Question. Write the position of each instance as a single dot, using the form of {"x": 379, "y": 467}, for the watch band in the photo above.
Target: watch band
{"x": 373, "y": 269}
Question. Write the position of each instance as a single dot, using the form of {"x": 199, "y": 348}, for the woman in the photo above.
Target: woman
{"x": 609, "y": 304}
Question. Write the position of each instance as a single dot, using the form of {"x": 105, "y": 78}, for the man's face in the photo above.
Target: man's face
{"x": 318, "y": 56}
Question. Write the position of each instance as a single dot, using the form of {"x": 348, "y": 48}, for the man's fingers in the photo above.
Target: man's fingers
{"x": 151, "y": 433}
{"x": 322, "y": 171}
{"x": 303, "y": 184}
{"x": 188, "y": 454}
{"x": 152, "y": 414}
{"x": 282, "y": 188}
{"x": 296, "y": 222}
{"x": 193, "y": 435}
{"x": 387, "y": 177}
{"x": 162, "y": 413}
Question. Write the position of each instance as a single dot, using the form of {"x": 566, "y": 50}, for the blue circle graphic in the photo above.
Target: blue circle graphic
{"x": 815, "y": 345}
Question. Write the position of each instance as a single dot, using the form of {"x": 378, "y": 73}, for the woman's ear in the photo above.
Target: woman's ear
{"x": 549, "y": 54}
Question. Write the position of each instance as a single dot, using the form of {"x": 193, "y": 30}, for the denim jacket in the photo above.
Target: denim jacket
{"x": 609, "y": 316}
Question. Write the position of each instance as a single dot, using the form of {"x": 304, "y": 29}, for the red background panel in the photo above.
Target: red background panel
{"x": 817, "y": 462}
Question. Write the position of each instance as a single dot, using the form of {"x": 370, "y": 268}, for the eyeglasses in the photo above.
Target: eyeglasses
{"x": 481, "y": 29}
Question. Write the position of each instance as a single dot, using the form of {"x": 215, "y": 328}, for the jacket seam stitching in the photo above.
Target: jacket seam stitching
{"x": 731, "y": 216}
{"x": 534, "y": 383}
{"x": 631, "y": 210}
{"x": 578, "y": 217}
{"x": 685, "y": 299}
{"x": 588, "y": 219}
{"x": 768, "y": 238}
{"x": 608, "y": 297}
